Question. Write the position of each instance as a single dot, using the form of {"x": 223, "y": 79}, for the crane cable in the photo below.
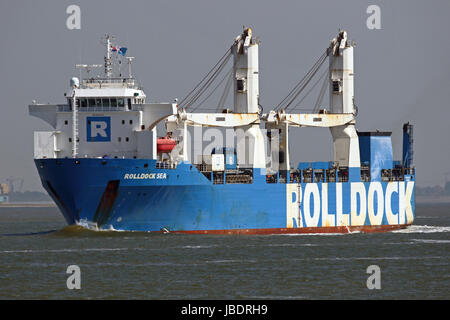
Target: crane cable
{"x": 324, "y": 87}
{"x": 199, "y": 89}
{"x": 311, "y": 89}
{"x": 293, "y": 94}
{"x": 205, "y": 87}
{"x": 187, "y": 96}
{"x": 227, "y": 75}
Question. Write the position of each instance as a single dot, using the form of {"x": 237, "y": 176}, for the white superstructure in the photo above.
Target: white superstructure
{"x": 102, "y": 117}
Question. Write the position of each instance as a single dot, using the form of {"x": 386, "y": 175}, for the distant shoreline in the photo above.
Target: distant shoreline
{"x": 27, "y": 205}
{"x": 425, "y": 200}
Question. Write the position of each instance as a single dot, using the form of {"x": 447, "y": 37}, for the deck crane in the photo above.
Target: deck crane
{"x": 246, "y": 114}
{"x": 340, "y": 119}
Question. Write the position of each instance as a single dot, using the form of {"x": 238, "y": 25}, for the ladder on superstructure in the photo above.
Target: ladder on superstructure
{"x": 74, "y": 126}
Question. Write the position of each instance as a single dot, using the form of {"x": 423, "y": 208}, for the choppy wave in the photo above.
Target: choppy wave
{"x": 379, "y": 258}
{"x": 423, "y": 229}
{"x": 431, "y": 240}
{"x": 79, "y": 231}
{"x": 199, "y": 246}
{"x": 231, "y": 261}
{"x": 66, "y": 250}
{"x": 289, "y": 245}
{"x": 27, "y": 233}
{"x": 325, "y": 234}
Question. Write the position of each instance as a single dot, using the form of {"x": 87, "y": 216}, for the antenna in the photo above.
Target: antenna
{"x": 130, "y": 60}
{"x": 108, "y": 67}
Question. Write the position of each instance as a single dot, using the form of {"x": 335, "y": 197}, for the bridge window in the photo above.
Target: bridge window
{"x": 98, "y": 102}
{"x": 120, "y": 102}
{"x": 129, "y": 104}
{"x": 91, "y": 102}
{"x": 105, "y": 102}
{"x": 83, "y": 103}
{"x": 113, "y": 102}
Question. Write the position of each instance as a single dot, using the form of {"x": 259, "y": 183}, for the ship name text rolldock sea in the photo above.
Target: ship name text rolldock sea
{"x": 108, "y": 163}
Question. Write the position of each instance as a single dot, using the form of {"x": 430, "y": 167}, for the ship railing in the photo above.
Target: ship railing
{"x": 241, "y": 176}
{"x": 335, "y": 174}
{"x": 230, "y": 176}
{"x": 343, "y": 174}
{"x": 282, "y": 176}
{"x": 365, "y": 173}
{"x": 296, "y": 176}
{"x": 68, "y": 108}
{"x": 308, "y": 175}
{"x": 271, "y": 178}
{"x": 109, "y": 82}
{"x": 165, "y": 165}
{"x": 396, "y": 174}
{"x": 331, "y": 175}
{"x": 218, "y": 177}
{"x": 311, "y": 175}
{"x": 204, "y": 167}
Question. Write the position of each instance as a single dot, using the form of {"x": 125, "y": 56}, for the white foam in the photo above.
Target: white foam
{"x": 311, "y": 234}
{"x": 199, "y": 247}
{"x": 92, "y": 226}
{"x": 88, "y": 224}
{"x": 423, "y": 229}
{"x": 230, "y": 261}
{"x": 292, "y": 245}
{"x": 380, "y": 258}
{"x": 430, "y": 241}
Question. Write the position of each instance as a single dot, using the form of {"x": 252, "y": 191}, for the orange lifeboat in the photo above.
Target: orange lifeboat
{"x": 165, "y": 144}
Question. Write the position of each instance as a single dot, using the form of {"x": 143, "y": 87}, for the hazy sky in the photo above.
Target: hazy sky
{"x": 402, "y": 71}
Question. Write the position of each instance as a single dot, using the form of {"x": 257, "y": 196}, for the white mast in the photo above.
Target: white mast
{"x": 108, "y": 67}
{"x": 345, "y": 138}
{"x": 246, "y": 96}
{"x": 130, "y": 60}
{"x": 340, "y": 55}
{"x": 245, "y": 66}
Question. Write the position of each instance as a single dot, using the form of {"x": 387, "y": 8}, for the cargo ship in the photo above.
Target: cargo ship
{"x": 113, "y": 160}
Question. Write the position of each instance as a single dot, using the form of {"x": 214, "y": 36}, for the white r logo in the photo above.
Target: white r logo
{"x": 98, "y": 128}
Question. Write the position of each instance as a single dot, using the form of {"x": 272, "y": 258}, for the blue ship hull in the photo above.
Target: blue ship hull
{"x": 132, "y": 194}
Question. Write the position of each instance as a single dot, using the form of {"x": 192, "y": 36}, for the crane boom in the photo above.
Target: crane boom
{"x": 323, "y": 120}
